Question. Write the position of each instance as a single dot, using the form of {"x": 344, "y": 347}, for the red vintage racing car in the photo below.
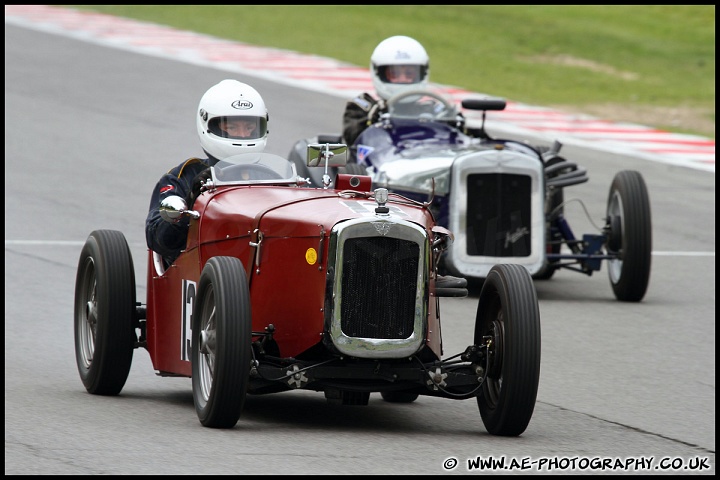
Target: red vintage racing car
{"x": 284, "y": 287}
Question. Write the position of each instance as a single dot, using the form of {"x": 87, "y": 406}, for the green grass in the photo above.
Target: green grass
{"x": 647, "y": 64}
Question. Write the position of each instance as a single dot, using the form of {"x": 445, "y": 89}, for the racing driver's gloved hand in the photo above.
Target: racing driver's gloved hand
{"x": 197, "y": 184}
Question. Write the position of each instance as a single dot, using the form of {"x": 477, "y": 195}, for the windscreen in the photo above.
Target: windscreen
{"x": 254, "y": 168}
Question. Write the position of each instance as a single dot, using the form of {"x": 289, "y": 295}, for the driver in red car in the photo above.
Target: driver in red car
{"x": 397, "y": 64}
{"x": 231, "y": 119}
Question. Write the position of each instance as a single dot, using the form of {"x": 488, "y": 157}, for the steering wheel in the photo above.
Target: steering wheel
{"x": 417, "y": 99}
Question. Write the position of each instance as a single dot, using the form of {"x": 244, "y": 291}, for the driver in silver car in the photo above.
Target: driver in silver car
{"x": 231, "y": 119}
{"x": 397, "y": 64}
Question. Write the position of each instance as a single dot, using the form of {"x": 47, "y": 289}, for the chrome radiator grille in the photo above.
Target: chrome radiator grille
{"x": 377, "y": 287}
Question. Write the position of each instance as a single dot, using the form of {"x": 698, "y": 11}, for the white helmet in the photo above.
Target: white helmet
{"x": 399, "y": 50}
{"x": 225, "y": 101}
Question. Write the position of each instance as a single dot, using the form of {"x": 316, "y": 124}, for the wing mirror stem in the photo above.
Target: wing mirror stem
{"x": 326, "y": 155}
{"x": 174, "y": 207}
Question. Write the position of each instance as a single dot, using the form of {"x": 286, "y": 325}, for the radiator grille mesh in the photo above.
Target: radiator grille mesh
{"x": 499, "y": 215}
{"x": 379, "y": 285}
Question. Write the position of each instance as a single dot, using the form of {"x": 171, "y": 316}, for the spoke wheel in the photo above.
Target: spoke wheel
{"x": 104, "y": 312}
{"x": 222, "y": 336}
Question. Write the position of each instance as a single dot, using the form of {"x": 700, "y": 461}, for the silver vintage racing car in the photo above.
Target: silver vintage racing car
{"x": 503, "y": 199}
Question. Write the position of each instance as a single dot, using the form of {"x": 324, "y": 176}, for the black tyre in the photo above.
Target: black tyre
{"x": 508, "y": 315}
{"x": 630, "y": 235}
{"x": 399, "y": 397}
{"x": 105, "y": 312}
{"x": 221, "y": 343}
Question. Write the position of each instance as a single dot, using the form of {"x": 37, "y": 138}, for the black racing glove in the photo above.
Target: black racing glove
{"x": 197, "y": 184}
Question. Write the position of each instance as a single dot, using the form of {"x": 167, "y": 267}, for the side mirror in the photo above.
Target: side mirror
{"x": 172, "y": 208}
{"x": 327, "y": 154}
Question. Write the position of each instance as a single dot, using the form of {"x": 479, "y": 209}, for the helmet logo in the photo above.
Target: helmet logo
{"x": 400, "y": 55}
{"x": 242, "y": 104}
{"x": 203, "y": 114}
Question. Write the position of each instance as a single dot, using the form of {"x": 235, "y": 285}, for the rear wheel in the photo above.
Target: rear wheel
{"x": 630, "y": 236}
{"x": 222, "y": 336}
{"x": 105, "y": 312}
{"x": 508, "y": 322}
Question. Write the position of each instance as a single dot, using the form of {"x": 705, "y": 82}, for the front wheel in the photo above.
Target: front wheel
{"x": 508, "y": 323}
{"x": 221, "y": 343}
{"x": 105, "y": 312}
{"x": 629, "y": 236}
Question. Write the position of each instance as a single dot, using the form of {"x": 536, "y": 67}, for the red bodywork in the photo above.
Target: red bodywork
{"x": 286, "y": 276}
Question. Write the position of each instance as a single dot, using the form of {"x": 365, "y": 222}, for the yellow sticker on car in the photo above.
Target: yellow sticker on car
{"x": 311, "y": 256}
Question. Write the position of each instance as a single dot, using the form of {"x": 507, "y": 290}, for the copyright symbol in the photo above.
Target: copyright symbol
{"x": 450, "y": 463}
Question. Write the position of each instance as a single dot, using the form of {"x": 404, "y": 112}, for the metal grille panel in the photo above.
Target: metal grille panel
{"x": 379, "y": 281}
{"x": 499, "y": 215}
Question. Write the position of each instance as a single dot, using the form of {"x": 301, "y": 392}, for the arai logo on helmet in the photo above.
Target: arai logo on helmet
{"x": 242, "y": 104}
